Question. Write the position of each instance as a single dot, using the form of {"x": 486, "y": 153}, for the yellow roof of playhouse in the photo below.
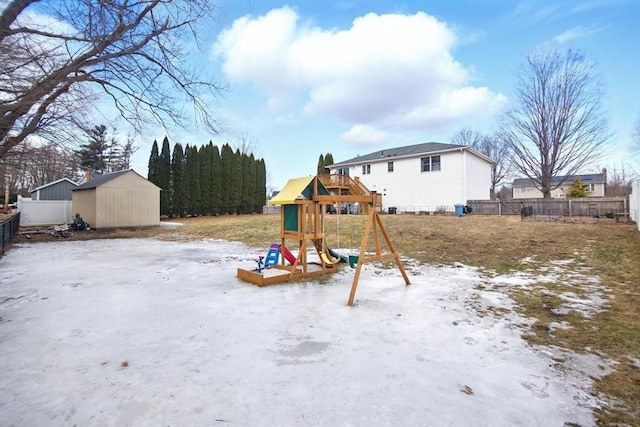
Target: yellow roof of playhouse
{"x": 297, "y": 189}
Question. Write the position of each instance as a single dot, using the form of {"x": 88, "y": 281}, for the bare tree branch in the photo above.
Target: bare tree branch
{"x": 131, "y": 52}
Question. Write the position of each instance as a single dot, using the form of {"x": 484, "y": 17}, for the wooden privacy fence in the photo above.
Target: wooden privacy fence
{"x": 600, "y": 207}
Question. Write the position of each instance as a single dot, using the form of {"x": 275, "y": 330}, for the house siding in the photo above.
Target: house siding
{"x": 61, "y": 190}
{"x": 529, "y": 192}
{"x": 462, "y": 175}
{"x": 478, "y": 178}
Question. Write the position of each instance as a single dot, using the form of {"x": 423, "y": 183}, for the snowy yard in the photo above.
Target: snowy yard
{"x": 144, "y": 332}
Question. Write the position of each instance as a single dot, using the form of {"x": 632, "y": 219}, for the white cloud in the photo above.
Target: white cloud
{"x": 387, "y": 70}
{"x": 360, "y": 135}
{"x": 576, "y": 33}
{"x": 595, "y": 4}
{"x": 257, "y": 51}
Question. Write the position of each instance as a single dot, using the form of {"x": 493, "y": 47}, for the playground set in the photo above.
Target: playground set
{"x": 303, "y": 204}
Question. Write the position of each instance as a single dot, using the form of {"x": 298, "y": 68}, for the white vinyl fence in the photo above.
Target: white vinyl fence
{"x": 634, "y": 202}
{"x": 44, "y": 212}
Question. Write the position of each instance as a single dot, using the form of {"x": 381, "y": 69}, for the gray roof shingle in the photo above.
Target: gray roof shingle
{"x": 101, "y": 179}
{"x": 592, "y": 178}
{"x": 407, "y": 151}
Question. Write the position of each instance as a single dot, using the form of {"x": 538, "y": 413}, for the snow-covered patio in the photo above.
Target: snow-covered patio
{"x": 144, "y": 332}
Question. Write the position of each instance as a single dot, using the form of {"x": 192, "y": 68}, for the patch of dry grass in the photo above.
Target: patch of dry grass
{"x": 499, "y": 245}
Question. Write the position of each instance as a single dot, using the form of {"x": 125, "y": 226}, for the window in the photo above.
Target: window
{"x": 592, "y": 188}
{"x": 389, "y": 166}
{"x": 430, "y": 164}
{"x": 343, "y": 171}
{"x": 366, "y": 169}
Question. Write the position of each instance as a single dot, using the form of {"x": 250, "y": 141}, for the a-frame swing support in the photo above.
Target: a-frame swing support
{"x": 375, "y": 224}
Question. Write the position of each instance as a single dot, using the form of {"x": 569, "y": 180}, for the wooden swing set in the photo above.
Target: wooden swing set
{"x": 303, "y": 204}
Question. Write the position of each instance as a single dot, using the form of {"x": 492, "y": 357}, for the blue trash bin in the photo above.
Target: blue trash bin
{"x": 459, "y": 210}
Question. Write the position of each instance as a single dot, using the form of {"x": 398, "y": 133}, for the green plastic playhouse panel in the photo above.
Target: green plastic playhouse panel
{"x": 290, "y": 217}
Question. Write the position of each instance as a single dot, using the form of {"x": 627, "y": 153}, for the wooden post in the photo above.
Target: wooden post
{"x": 375, "y": 222}
{"x": 363, "y": 248}
{"x": 395, "y": 254}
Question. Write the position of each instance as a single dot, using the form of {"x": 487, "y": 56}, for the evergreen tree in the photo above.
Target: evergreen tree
{"x": 124, "y": 161}
{"x": 104, "y": 153}
{"x": 248, "y": 184}
{"x": 206, "y": 165}
{"x": 192, "y": 179}
{"x": 235, "y": 187}
{"x": 260, "y": 194}
{"x": 177, "y": 181}
{"x": 226, "y": 160}
{"x": 186, "y": 194}
{"x": 163, "y": 177}
{"x": 93, "y": 154}
{"x": 153, "y": 163}
{"x": 578, "y": 189}
{"x": 320, "y": 168}
{"x": 216, "y": 181}
{"x": 328, "y": 161}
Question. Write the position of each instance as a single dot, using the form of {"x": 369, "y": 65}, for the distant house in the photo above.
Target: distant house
{"x": 118, "y": 199}
{"x": 56, "y": 190}
{"x": 523, "y": 188}
{"x": 425, "y": 177}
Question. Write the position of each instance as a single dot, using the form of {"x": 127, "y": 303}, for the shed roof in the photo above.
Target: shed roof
{"x": 104, "y": 178}
{"x": 53, "y": 183}
{"x": 298, "y": 189}
{"x": 408, "y": 151}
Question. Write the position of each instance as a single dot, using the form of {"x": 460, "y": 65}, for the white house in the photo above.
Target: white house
{"x": 429, "y": 177}
{"x": 524, "y": 188}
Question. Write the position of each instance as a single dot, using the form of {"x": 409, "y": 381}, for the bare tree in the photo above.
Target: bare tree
{"x": 245, "y": 143}
{"x": 619, "y": 182}
{"x": 557, "y": 126}
{"x": 30, "y": 165}
{"x": 494, "y": 147}
{"x": 467, "y": 137}
{"x": 132, "y": 52}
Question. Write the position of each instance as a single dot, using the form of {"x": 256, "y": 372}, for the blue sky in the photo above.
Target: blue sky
{"x": 349, "y": 77}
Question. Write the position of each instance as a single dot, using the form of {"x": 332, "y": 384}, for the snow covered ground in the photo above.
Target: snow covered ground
{"x": 144, "y": 332}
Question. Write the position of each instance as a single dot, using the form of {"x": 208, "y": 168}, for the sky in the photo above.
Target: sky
{"x": 307, "y": 78}
{"x": 152, "y": 332}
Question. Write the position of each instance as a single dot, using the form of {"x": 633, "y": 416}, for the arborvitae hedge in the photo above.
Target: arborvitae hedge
{"x": 207, "y": 180}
